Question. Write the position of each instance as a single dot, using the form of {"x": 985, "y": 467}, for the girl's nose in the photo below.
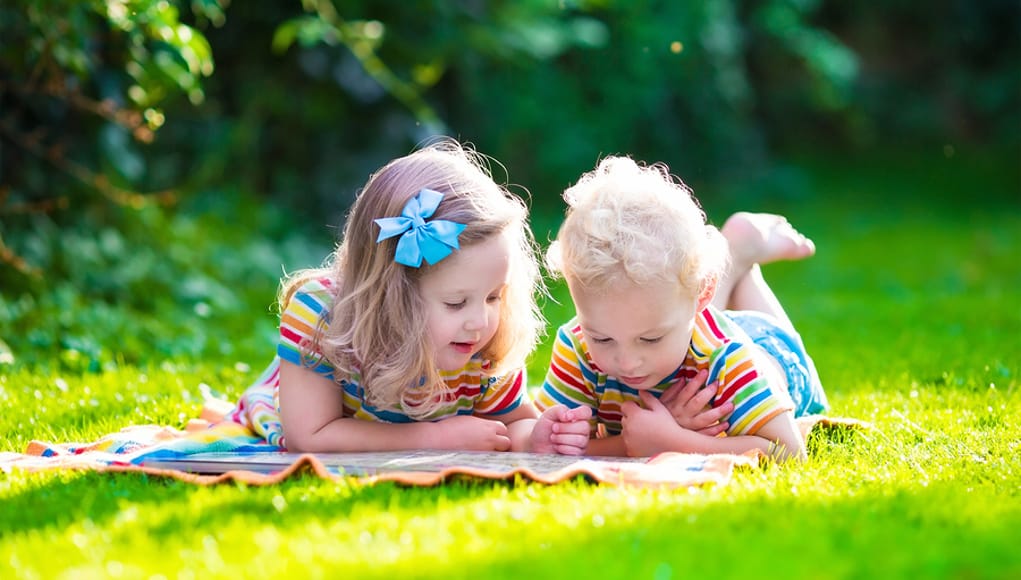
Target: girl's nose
{"x": 475, "y": 319}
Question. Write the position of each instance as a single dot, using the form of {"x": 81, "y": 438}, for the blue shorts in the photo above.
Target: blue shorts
{"x": 803, "y": 382}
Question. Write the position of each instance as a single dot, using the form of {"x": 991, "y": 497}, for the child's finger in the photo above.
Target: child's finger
{"x": 682, "y": 392}
{"x": 714, "y": 430}
{"x": 718, "y": 413}
{"x": 502, "y": 443}
{"x": 582, "y": 413}
{"x": 569, "y": 439}
{"x": 577, "y": 427}
{"x": 649, "y": 400}
{"x": 702, "y": 398}
{"x": 701, "y": 419}
{"x": 699, "y": 379}
{"x": 569, "y": 450}
{"x": 684, "y": 389}
{"x": 678, "y": 390}
{"x": 629, "y": 408}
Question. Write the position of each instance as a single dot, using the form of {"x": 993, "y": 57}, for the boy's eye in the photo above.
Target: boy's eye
{"x": 652, "y": 340}
{"x": 601, "y": 340}
{"x": 455, "y": 305}
{"x": 493, "y": 298}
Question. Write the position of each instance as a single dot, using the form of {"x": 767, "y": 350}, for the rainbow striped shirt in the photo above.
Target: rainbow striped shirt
{"x": 717, "y": 344}
{"x": 470, "y": 390}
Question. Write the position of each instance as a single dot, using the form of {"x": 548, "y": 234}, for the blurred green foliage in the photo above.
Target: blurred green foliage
{"x": 128, "y": 128}
{"x": 191, "y": 284}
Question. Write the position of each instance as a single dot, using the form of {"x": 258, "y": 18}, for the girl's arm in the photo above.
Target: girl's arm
{"x": 311, "y": 412}
{"x": 519, "y": 424}
{"x": 653, "y": 430}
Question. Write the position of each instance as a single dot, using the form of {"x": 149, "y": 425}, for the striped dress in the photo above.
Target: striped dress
{"x": 717, "y": 344}
{"x": 469, "y": 391}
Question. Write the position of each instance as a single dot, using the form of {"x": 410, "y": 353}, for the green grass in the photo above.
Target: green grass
{"x": 911, "y": 309}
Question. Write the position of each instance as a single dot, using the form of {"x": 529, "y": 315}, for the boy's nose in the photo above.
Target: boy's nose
{"x": 628, "y": 363}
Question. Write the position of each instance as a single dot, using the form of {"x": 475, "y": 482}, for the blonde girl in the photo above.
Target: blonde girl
{"x": 415, "y": 334}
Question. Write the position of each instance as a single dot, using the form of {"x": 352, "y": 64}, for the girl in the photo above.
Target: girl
{"x": 415, "y": 335}
{"x": 649, "y": 280}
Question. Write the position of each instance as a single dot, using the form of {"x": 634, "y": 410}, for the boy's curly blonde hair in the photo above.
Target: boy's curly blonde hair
{"x": 377, "y": 327}
{"x": 628, "y": 222}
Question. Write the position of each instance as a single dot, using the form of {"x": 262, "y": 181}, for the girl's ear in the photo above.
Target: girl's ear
{"x": 706, "y": 294}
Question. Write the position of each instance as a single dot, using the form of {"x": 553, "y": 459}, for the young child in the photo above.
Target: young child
{"x": 415, "y": 335}
{"x": 649, "y": 280}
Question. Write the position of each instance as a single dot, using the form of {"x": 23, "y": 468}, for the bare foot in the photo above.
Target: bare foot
{"x": 197, "y": 425}
{"x": 761, "y": 238}
{"x": 214, "y": 410}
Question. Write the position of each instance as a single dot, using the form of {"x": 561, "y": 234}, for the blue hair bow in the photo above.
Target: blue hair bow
{"x": 432, "y": 241}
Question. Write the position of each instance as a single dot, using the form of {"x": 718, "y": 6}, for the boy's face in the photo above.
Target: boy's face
{"x": 638, "y": 335}
{"x": 462, "y": 297}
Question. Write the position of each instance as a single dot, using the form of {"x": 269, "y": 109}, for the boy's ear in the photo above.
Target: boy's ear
{"x": 705, "y": 296}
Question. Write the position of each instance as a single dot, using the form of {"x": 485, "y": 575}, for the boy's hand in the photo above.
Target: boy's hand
{"x": 687, "y": 401}
{"x": 647, "y": 430}
{"x": 562, "y": 430}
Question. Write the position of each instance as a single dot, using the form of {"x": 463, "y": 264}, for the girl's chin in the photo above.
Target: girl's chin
{"x": 454, "y": 361}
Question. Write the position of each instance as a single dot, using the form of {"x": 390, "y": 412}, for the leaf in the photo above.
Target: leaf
{"x": 284, "y": 36}
{"x": 6, "y": 355}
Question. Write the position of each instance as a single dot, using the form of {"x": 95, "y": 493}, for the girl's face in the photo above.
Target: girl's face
{"x": 638, "y": 335}
{"x": 462, "y": 297}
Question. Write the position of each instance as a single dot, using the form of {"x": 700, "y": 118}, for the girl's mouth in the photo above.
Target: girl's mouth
{"x": 463, "y": 347}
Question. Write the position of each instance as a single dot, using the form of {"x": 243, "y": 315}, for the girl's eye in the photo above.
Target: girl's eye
{"x": 601, "y": 340}
{"x": 455, "y": 306}
{"x": 493, "y": 298}
{"x": 652, "y": 340}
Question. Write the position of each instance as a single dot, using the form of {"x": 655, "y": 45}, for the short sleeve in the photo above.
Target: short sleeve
{"x": 307, "y": 310}
{"x": 737, "y": 367}
{"x": 569, "y": 380}
{"x": 501, "y": 394}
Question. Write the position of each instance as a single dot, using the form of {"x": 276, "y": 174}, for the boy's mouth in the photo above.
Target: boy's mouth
{"x": 632, "y": 381}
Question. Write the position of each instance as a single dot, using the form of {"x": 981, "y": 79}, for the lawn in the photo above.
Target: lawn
{"x": 911, "y": 309}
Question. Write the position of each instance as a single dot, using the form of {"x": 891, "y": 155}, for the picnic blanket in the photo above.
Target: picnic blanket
{"x": 144, "y": 449}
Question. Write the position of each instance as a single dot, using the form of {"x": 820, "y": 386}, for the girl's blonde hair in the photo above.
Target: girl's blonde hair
{"x": 628, "y": 222}
{"x": 377, "y": 327}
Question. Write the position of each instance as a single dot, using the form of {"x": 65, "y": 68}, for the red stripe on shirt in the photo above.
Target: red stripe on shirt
{"x": 736, "y": 385}
{"x": 291, "y": 336}
{"x": 711, "y": 323}
{"x": 567, "y": 378}
{"x": 510, "y": 395}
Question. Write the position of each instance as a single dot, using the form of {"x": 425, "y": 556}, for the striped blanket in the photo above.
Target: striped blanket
{"x": 151, "y": 449}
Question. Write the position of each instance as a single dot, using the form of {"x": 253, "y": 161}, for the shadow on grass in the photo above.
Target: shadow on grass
{"x": 863, "y": 525}
{"x": 68, "y": 498}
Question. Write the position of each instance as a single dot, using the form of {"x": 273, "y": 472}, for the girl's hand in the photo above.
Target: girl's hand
{"x": 647, "y": 430}
{"x": 469, "y": 433}
{"x": 561, "y": 430}
{"x": 687, "y": 401}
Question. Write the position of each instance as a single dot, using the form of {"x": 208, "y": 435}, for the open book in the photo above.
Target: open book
{"x": 361, "y": 464}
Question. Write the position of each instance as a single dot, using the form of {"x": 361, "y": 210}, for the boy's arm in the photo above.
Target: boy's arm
{"x": 558, "y": 430}
{"x": 653, "y": 430}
